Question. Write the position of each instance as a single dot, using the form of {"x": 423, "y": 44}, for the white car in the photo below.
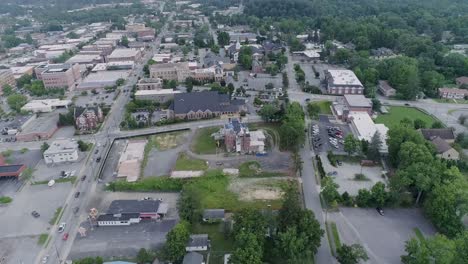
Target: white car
{"x": 62, "y": 227}
{"x": 51, "y": 183}
{"x": 45, "y": 259}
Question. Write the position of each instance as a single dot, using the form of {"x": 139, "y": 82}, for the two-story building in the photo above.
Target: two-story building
{"x": 343, "y": 82}
{"x": 62, "y": 150}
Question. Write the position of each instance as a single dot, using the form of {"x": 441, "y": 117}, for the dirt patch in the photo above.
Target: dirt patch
{"x": 257, "y": 188}
{"x": 169, "y": 140}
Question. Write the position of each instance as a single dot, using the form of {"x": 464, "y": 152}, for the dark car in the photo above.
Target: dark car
{"x": 380, "y": 211}
{"x": 98, "y": 159}
{"x": 83, "y": 177}
{"x": 35, "y": 214}
{"x": 76, "y": 209}
{"x": 77, "y": 194}
{"x": 96, "y": 152}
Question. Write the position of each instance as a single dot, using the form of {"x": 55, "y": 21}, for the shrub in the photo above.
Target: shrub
{"x": 346, "y": 199}
{"x": 360, "y": 177}
{"x": 148, "y": 184}
{"x": 364, "y": 198}
{"x": 331, "y": 158}
{"x": 320, "y": 167}
{"x": 5, "y": 200}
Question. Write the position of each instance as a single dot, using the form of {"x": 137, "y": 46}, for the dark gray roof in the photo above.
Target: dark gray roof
{"x": 213, "y": 214}
{"x": 80, "y": 110}
{"x": 10, "y": 168}
{"x": 208, "y": 100}
{"x": 440, "y": 145}
{"x": 133, "y": 206}
{"x": 118, "y": 217}
{"x": 198, "y": 240}
{"x": 269, "y": 46}
{"x": 444, "y": 133}
{"x": 193, "y": 258}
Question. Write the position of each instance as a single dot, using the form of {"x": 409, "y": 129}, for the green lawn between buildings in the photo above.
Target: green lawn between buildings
{"x": 397, "y": 113}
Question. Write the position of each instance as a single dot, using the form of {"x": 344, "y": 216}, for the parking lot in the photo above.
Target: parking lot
{"x": 255, "y": 83}
{"x": 94, "y": 99}
{"x": 46, "y": 172}
{"x": 327, "y": 136}
{"x": 383, "y": 237}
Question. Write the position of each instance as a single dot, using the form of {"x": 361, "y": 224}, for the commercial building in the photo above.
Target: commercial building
{"x": 353, "y": 103}
{"x": 124, "y": 55}
{"x": 41, "y": 128}
{"x": 364, "y": 128}
{"x": 385, "y": 89}
{"x": 160, "y": 96}
{"x": 170, "y": 71}
{"x": 162, "y": 57}
{"x": 6, "y": 78}
{"x": 114, "y": 66}
{"x": 45, "y": 106}
{"x": 103, "y": 49}
{"x": 102, "y": 79}
{"x": 13, "y": 170}
{"x": 85, "y": 59}
{"x": 452, "y": 93}
{"x": 126, "y": 212}
{"x": 202, "y": 105}
{"x": 150, "y": 84}
{"x": 61, "y": 76}
{"x": 343, "y": 82}
{"x": 130, "y": 161}
{"x": 62, "y": 150}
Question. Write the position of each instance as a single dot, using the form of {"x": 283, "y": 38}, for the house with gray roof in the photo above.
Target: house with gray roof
{"x": 446, "y": 134}
{"x": 198, "y": 242}
{"x": 444, "y": 150}
{"x": 213, "y": 215}
{"x": 204, "y": 105}
{"x": 193, "y": 258}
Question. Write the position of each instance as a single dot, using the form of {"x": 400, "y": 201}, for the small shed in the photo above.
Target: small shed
{"x": 213, "y": 215}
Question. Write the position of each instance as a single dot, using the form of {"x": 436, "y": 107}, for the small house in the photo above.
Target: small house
{"x": 198, "y": 242}
{"x": 193, "y": 258}
{"x": 213, "y": 215}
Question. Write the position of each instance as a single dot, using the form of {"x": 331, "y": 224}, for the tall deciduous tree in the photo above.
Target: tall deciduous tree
{"x": 247, "y": 249}
{"x": 437, "y": 249}
{"x": 223, "y": 38}
{"x": 351, "y": 144}
{"x": 330, "y": 189}
{"x": 351, "y": 254}
{"x": 176, "y": 240}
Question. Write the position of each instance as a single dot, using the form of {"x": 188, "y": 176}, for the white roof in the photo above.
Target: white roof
{"x": 61, "y": 146}
{"x": 366, "y": 128}
{"x": 357, "y": 100}
{"x": 102, "y": 78}
{"x": 34, "y": 104}
{"x": 122, "y": 53}
{"x": 344, "y": 77}
{"x": 156, "y": 92}
{"x": 83, "y": 58}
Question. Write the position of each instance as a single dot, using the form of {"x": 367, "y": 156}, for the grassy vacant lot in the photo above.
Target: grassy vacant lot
{"x": 398, "y": 113}
{"x": 167, "y": 141}
{"x": 221, "y": 243}
{"x": 253, "y": 169}
{"x": 185, "y": 163}
{"x": 203, "y": 143}
{"x": 319, "y": 108}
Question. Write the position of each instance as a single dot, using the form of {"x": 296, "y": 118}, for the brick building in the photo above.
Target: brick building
{"x": 6, "y": 78}
{"x": 343, "y": 82}
{"x": 87, "y": 119}
{"x": 61, "y": 76}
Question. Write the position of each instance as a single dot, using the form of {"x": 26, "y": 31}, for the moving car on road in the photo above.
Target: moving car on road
{"x": 62, "y": 227}
{"x": 380, "y": 211}
{"x": 77, "y": 194}
{"x": 65, "y": 236}
{"x": 35, "y": 214}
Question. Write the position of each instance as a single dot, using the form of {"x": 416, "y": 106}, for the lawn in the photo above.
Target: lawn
{"x": 272, "y": 129}
{"x": 221, "y": 243}
{"x": 319, "y": 108}
{"x": 185, "y": 163}
{"x": 398, "y": 113}
{"x": 254, "y": 170}
{"x": 203, "y": 142}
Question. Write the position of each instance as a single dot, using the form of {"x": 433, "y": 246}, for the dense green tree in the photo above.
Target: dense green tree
{"x": 124, "y": 41}
{"x": 292, "y": 129}
{"x": 250, "y": 221}
{"x": 7, "y": 90}
{"x": 24, "y": 80}
{"x": 374, "y": 147}
{"x": 144, "y": 257}
{"x": 399, "y": 135}
{"x": 437, "y": 124}
{"x": 419, "y": 123}
{"x": 352, "y": 254}
{"x": 379, "y": 195}
{"x": 412, "y": 153}
{"x": 351, "y": 144}
{"x": 437, "y": 249}
{"x": 364, "y": 198}
{"x": 268, "y": 112}
{"x": 247, "y": 249}
{"x": 330, "y": 189}
{"x": 431, "y": 81}
{"x": 461, "y": 248}
{"x": 16, "y": 101}
{"x": 245, "y": 57}
{"x": 176, "y": 240}
{"x": 223, "y": 38}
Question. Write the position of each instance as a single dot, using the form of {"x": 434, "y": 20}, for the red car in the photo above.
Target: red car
{"x": 65, "y": 236}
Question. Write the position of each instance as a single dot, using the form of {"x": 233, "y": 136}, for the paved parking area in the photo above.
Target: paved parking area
{"x": 46, "y": 172}
{"x": 255, "y": 83}
{"x": 19, "y": 249}
{"x": 347, "y": 171}
{"x": 383, "y": 237}
{"x": 323, "y": 145}
{"x": 91, "y": 99}
{"x": 121, "y": 241}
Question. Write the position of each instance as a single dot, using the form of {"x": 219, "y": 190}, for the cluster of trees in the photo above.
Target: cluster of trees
{"x": 245, "y": 57}
{"x": 292, "y": 128}
{"x": 439, "y": 186}
{"x": 223, "y": 38}
{"x": 293, "y": 237}
{"x": 16, "y": 101}
{"x": 437, "y": 249}
{"x": 300, "y": 74}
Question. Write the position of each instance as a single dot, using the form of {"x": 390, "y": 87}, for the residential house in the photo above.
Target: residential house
{"x": 203, "y": 105}
{"x": 213, "y": 215}
{"x": 198, "y": 242}
{"x": 193, "y": 258}
{"x": 343, "y": 82}
{"x": 271, "y": 47}
{"x": 452, "y": 93}
{"x": 444, "y": 150}
{"x": 462, "y": 81}
{"x": 446, "y": 134}
{"x": 385, "y": 89}
{"x": 87, "y": 118}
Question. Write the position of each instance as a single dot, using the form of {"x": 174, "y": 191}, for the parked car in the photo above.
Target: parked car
{"x": 98, "y": 159}
{"x": 77, "y": 194}
{"x": 35, "y": 214}
{"x": 380, "y": 211}
{"x": 83, "y": 177}
{"x": 45, "y": 259}
{"x": 62, "y": 227}
{"x": 65, "y": 236}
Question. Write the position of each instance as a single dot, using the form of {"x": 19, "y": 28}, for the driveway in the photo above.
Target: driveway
{"x": 383, "y": 237}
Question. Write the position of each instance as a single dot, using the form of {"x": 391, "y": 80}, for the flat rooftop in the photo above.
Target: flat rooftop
{"x": 133, "y": 206}
{"x": 357, "y": 100}
{"x": 43, "y": 123}
{"x": 344, "y": 77}
{"x": 123, "y": 53}
{"x": 61, "y": 146}
{"x": 84, "y": 58}
{"x": 105, "y": 76}
{"x": 156, "y": 92}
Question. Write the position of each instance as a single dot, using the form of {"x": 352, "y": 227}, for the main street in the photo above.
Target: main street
{"x": 57, "y": 249}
